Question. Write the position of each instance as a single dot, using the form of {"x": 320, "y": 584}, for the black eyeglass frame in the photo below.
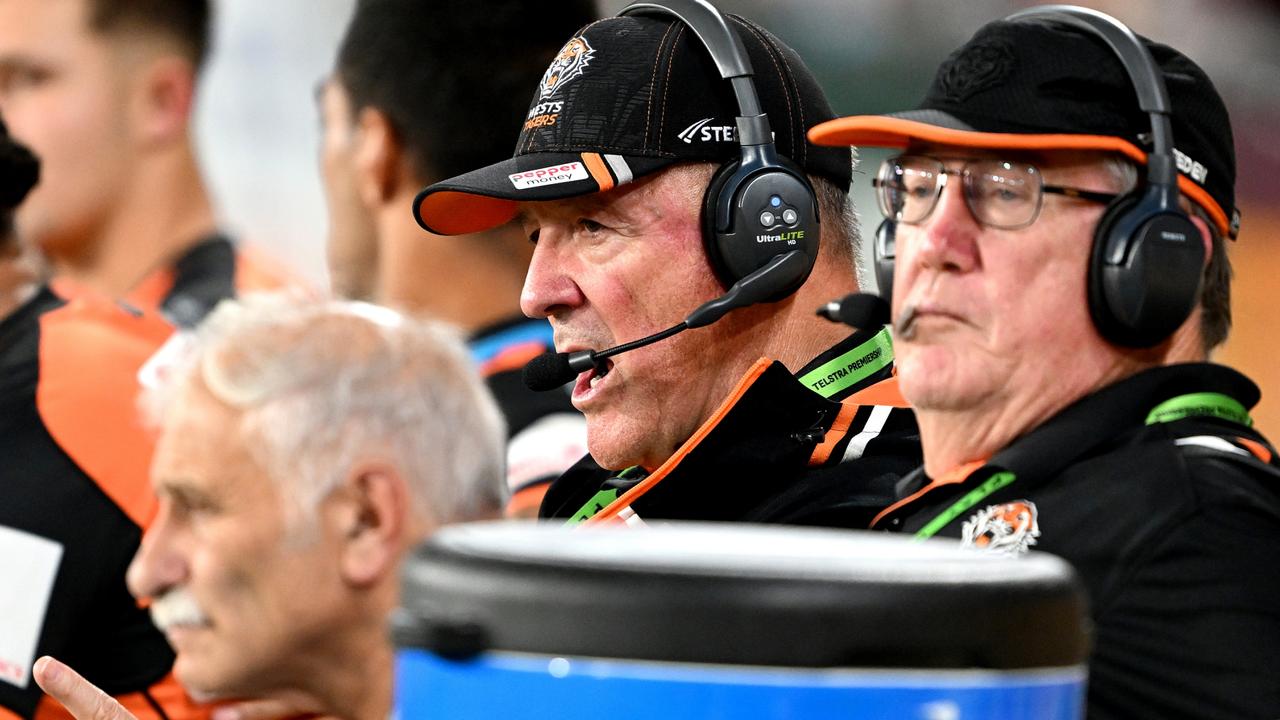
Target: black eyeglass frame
{"x": 879, "y": 183}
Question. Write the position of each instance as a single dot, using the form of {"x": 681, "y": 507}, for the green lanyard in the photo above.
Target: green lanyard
{"x": 852, "y": 367}
{"x": 600, "y": 500}
{"x": 971, "y": 498}
{"x": 1204, "y": 404}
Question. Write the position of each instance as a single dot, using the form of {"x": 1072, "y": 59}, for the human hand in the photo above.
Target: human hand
{"x": 80, "y": 697}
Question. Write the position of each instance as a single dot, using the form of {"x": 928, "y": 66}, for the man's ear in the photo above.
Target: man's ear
{"x": 372, "y": 514}
{"x": 377, "y": 158}
{"x": 165, "y": 98}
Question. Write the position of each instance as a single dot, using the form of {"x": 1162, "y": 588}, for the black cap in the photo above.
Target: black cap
{"x": 1046, "y": 85}
{"x": 626, "y": 97}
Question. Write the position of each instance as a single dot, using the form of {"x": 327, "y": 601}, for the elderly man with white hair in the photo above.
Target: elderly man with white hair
{"x": 304, "y": 448}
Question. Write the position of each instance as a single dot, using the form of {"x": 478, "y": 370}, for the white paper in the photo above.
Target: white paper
{"x": 28, "y": 565}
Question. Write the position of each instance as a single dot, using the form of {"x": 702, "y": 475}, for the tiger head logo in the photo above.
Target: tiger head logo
{"x": 1009, "y": 529}
{"x": 567, "y": 65}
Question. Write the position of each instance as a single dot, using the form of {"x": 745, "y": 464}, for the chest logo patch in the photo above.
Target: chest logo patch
{"x": 1009, "y": 529}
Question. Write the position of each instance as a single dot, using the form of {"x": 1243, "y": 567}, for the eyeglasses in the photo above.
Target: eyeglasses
{"x": 1000, "y": 194}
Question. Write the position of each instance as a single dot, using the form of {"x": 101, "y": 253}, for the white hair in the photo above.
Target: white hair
{"x": 322, "y": 385}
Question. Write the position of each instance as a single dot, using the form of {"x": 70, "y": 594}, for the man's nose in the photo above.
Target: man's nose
{"x": 947, "y": 239}
{"x": 549, "y": 287}
{"x": 157, "y": 566}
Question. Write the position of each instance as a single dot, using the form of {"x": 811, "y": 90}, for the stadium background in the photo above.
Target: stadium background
{"x": 258, "y": 131}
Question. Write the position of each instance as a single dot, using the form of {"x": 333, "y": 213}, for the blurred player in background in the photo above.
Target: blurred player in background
{"x": 74, "y": 496}
{"x": 103, "y": 92}
{"x": 417, "y": 96}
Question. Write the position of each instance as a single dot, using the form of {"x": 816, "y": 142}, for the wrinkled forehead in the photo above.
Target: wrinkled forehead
{"x": 544, "y": 211}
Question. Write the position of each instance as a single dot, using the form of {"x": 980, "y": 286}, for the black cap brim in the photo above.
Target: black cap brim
{"x": 486, "y": 198}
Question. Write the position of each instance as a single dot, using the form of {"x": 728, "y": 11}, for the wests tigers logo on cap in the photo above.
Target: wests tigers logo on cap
{"x": 567, "y": 65}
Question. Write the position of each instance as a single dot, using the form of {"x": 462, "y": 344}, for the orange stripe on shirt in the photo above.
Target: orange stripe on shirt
{"x": 838, "y": 430}
{"x": 885, "y": 392}
{"x": 1262, "y": 452}
{"x": 511, "y": 358}
{"x": 951, "y": 477}
{"x": 672, "y": 462}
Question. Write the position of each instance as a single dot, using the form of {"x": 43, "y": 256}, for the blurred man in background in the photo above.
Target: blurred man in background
{"x": 103, "y": 92}
{"x": 74, "y": 497}
{"x": 304, "y": 448}
{"x": 1054, "y": 307}
{"x": 414, "y": 97}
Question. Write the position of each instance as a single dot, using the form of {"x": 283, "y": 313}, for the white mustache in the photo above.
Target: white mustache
{"x": 176, "y": 607}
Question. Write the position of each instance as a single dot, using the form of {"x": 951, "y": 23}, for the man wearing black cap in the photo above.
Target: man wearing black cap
{"x": 1060, "y": 379}
{"x": 620, "y": 143}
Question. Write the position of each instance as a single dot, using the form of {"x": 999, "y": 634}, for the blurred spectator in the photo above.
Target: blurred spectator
{"x": 417, "y": 96}
{"x": 102, "y": 91}
{"x": 73, "y": 484}
{"x": 304, "y": 448}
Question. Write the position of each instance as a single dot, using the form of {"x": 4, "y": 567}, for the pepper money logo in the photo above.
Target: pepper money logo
{"x": 1009, "y": 529}
{"x": 568, "y": 64}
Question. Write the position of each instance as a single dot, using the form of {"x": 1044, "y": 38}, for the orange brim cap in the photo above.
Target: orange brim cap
{"x": 900, "y": 130}
{"x": 486, "y": 198}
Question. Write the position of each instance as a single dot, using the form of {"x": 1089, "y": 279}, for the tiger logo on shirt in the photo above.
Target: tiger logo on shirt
{"x": 1008, "y": 529}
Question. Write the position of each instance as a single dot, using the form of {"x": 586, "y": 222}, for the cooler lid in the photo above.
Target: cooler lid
{"x": 738, "y": 594}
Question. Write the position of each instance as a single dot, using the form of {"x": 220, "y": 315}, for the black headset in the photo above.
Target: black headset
{"x": 759, "y": 206}
{"x": 1147, "y": 259}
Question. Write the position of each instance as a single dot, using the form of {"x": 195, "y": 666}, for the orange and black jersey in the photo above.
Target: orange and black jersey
{"x": 545, "y": 433}
{"x": 73, "y": 475}
{"x": 189, "y": 288}
{"x": 1167, "y": 502}
{"x": 824, "y": 446}
{"x": 210, "y": 271}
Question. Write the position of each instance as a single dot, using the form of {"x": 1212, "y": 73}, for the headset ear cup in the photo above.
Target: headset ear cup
{"x": 1144, "y": 271}
{"x": 884, "y": 253}
{"x": 710, "y": 236}
{"x": 780, "y": 191}
{"x": 1099, "y": 309}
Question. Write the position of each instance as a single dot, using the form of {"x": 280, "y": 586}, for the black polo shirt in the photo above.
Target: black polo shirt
{"x": 1166, "y": 500}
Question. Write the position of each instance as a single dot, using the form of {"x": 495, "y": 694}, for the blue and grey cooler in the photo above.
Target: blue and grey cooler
{"x": 505, "y": 621}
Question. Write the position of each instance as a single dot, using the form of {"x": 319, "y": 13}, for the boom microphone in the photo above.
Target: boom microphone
{"x": 551, "y": 370}
{"x": 859, "y": 310}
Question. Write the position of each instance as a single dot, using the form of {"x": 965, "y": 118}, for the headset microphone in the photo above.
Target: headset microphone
{"x": 863, "y": 311}
{"x": 551, "y": 370}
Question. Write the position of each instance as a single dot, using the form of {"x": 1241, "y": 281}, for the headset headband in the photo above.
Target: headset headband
{"x": 1153, "y": 98}
{"x": 729, "y": 55}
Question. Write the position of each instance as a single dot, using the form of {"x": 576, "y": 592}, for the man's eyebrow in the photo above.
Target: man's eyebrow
{"x": 181, "y": 490}
{"x": 12, "y": 61}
